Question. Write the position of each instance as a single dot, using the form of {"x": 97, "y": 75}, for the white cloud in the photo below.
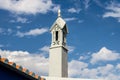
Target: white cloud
{"x": 20, "y": 20}
{"x": 70, "y": 19}
{"x": 109, "y": 72}
{"x": 82, "y": 58}
{"x": 18, "y": 27}
{"x": 105, "y": 70}
{"x": 73, "y": 10}
{"x": 118, "y": 66}
{"x": 33, "y": 32}
{"x": 75, "y": 68}
{"x": 33, "y": 62}
{"x": 80, "y": 21}
{"x": 113, "y": 11}
{"x": 5, "y": 31}
{"x": 45, "y": 49}
{"x": 104, "y": 55}
{"x": 71, "y": 48}
{"x": 28, "y": 6}
{"x": 99, "y": 3}
{"x": 39, "y": 64}
{"x": 9, "y": 31}
{"x": 81, "y": 70}
{"x": 87, "y": 3}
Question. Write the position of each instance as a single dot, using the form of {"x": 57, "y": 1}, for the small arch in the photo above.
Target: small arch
{"x": 56, "y": 36}
{"x": 64, "y": 37}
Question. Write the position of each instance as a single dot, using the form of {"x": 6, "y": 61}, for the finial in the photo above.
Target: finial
{"x": 59, "y": 15}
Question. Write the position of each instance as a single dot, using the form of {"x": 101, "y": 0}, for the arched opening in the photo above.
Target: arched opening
{"x": 64, "y": 37}
{"x": 56, "y": 35}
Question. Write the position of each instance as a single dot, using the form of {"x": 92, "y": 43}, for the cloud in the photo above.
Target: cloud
{"x": 81, "y": 70}
{"x": 28, "y": 6}
{"x": 6, "y": 31}
{"x": 45, "y": 49}
{"x": 118, "y": 66}
{"x": 104, "y": 55}
{"x": 87, "y": 4}
{"x": 20, "y": 20}
{"x": 34, "y": 62}
{"x": 73, "y": 10}
{"x": 104, "y": 70}
{"x": 75, "y": 67}
{"x": 80, "y": 21}
{"x": 70, "y": 19}
{"x": 9, "y": 31}
{"x": 99, "y": 3}
{"x": 39, "y": 64}
{"x": 109, "y": 72}
{"x": 71, "y": 48}
{"x": 33, "y": 32}
{"x": 18, "y": 27}
{"x": 113, "y": 11}
{"x": 82, "y": 57}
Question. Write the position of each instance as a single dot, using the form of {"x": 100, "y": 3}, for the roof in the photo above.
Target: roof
{"x": 61, "y": 23}
{"x": 13, "y": 66}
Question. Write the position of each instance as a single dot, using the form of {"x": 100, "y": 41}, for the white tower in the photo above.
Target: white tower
{"x": 58, "y": 64}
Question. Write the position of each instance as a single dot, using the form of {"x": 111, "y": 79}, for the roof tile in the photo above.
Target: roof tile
{"x": 24, "y": 70}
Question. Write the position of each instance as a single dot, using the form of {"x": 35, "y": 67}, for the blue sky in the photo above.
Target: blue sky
{"x": 93, "y": 39}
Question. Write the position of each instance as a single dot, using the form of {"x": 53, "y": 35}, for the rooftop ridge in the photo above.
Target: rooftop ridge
{"x": 20, "y": 68}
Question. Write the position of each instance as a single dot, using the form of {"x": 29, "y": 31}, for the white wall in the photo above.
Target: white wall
{"x": 56, "y": 78}
{"x": 58, "y": 64}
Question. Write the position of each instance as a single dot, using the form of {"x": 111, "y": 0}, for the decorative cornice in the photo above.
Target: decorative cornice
{"x": 52, "y": 47}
